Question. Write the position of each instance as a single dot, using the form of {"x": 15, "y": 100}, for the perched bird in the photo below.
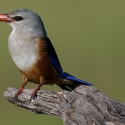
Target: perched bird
{"x": 33, "y": 53}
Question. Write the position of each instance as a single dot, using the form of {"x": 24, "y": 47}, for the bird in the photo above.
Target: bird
{"x": 33, "y": 52}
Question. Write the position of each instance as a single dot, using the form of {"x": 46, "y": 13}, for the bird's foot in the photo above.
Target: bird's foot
{"x": 18, "y": 92}
{"x": 34, "y": 93}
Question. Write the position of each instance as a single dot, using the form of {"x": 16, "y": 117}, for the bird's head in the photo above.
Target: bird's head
{"x": 24, "y": 20}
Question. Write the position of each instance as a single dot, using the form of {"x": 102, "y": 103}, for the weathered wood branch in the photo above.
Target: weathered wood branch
{"x": 83, "y": 106}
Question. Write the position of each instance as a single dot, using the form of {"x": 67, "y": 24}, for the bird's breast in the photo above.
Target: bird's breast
{"x": 23, "y": 52}
{"x": 31, "y": 57}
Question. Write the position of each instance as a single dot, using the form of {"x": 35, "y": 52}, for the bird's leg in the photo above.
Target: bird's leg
{"x": 22, "y": 87}
{"x": 35, "y": 91}
{"x": 38, "y": 88}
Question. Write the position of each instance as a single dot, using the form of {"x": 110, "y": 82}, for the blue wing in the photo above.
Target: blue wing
{"x": 55, "y": 61}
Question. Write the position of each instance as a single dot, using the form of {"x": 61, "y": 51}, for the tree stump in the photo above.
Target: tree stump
{"x": 85, "y": 105}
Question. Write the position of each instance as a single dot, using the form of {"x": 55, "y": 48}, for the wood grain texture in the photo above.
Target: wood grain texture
{"x": 83, "y": 106}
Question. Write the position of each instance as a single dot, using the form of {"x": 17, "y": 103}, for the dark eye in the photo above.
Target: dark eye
{"x": 18, "y": 18}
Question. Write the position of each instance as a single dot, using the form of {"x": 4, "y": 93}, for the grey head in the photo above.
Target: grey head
{"x": 26, "y": 21}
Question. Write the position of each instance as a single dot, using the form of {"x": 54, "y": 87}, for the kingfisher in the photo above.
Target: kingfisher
{"x": 33, "y": 52}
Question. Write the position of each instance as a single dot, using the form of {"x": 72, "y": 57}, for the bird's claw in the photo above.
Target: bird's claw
{"x": 34, "y": 95}
{"x": 18, "y": 93}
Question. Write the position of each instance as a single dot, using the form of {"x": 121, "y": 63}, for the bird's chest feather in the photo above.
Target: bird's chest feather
{"x": 23, "y": 52}
{"x": 32, "y": 59}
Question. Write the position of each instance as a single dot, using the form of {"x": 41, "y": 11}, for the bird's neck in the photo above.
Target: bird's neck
{"x": 37, "y": 31}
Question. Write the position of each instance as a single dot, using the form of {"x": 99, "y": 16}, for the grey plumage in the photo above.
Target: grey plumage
{"x": 31, "y": 20}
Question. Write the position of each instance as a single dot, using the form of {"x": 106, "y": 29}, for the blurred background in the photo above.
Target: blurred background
{"x": 89, "y": 37}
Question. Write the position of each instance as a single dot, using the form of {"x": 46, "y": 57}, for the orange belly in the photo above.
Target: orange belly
{"x": 44, "y": 69}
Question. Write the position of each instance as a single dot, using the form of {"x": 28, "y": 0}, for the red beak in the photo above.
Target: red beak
{"x": 5, "y": 18}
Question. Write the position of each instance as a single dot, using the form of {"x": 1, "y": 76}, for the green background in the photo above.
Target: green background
{"x": 89, "y": 37}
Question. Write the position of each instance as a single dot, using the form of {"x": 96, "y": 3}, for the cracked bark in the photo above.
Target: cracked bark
{"x": 83, "y": 106}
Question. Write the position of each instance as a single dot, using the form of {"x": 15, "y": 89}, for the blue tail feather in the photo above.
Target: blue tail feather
{"x": 72, "y": 78}
{"x": 65, "y": 75}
